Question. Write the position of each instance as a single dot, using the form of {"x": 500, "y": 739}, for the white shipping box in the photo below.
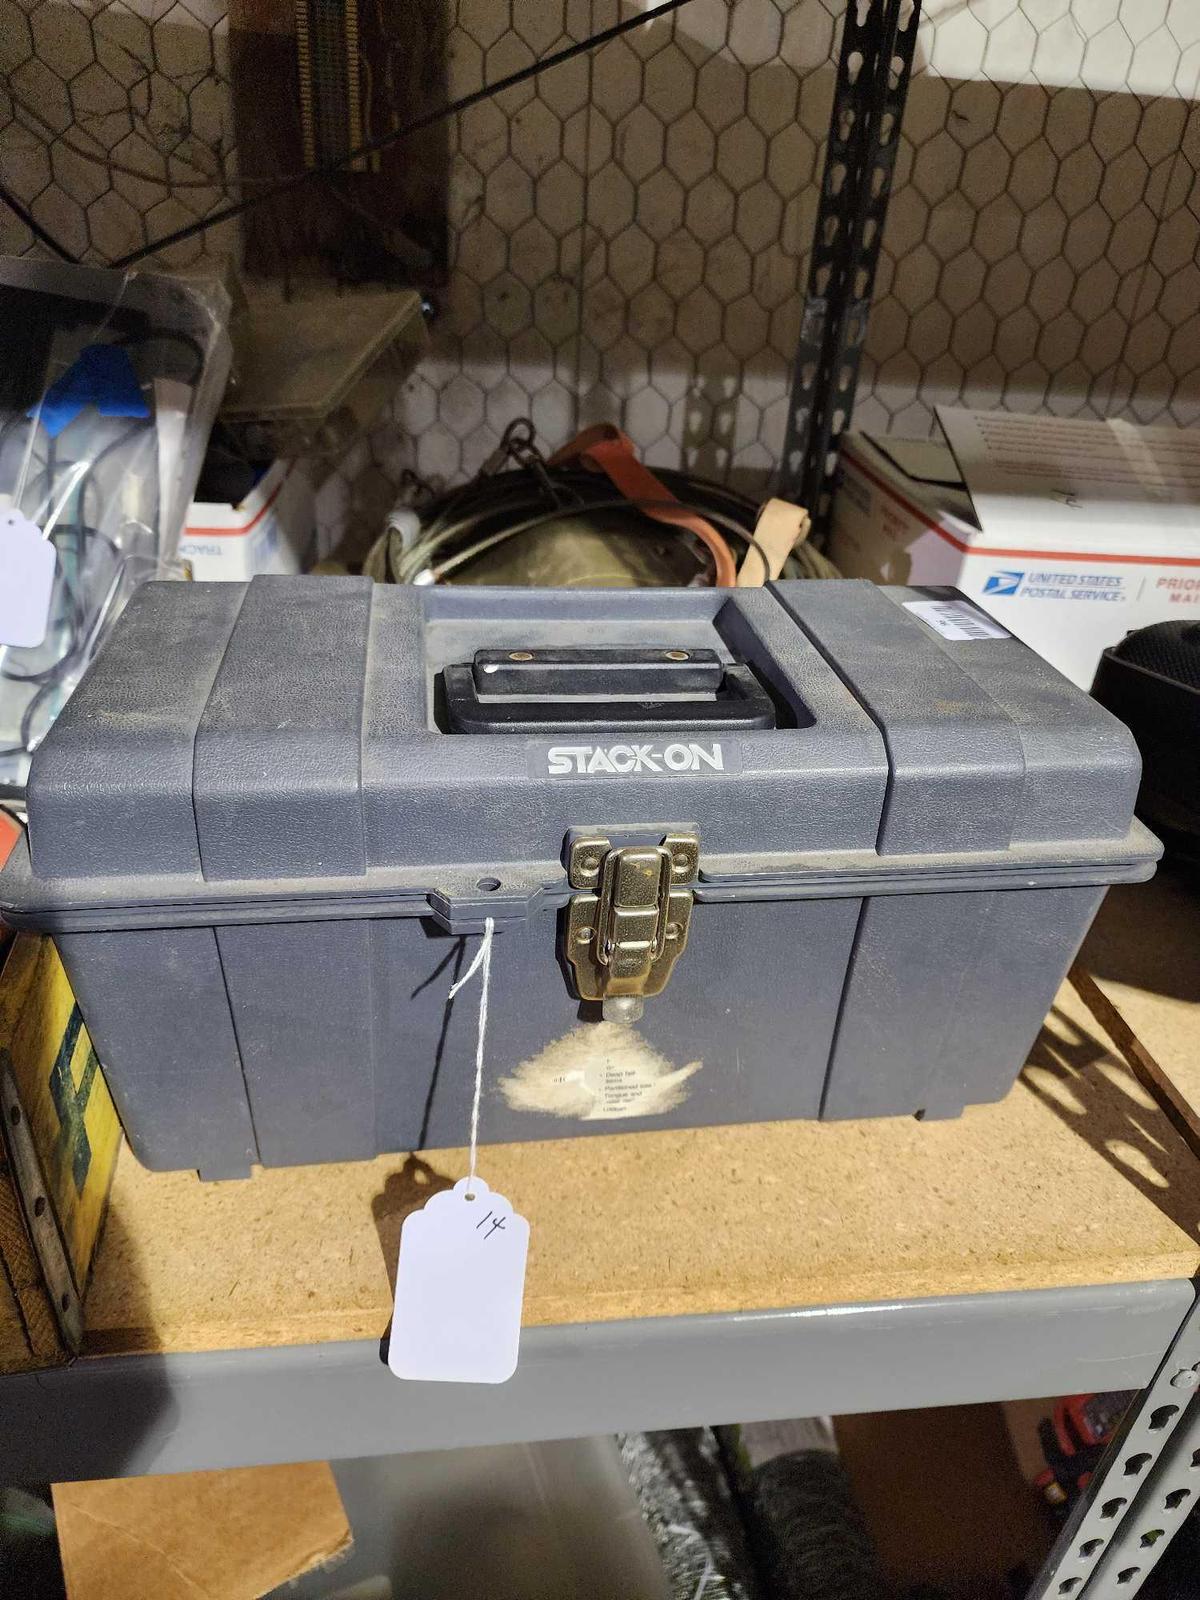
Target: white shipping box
{"x": 273, "y": 530}
{"x": 1070, "y": 533}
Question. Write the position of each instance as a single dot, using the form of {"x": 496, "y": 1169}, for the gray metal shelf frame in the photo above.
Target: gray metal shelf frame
{"x": 111, "y": 1416}
{"x": 125, "y": 1415}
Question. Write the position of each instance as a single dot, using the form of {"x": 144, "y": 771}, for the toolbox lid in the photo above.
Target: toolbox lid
{"x": 326, "y": 746}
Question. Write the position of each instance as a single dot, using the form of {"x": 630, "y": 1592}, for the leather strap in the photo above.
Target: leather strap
{"x": 606, "y": 449}
{"x": 779, "y": 529}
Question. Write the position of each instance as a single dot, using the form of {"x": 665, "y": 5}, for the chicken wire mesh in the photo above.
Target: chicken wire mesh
{"x": 629, "y": 232}
{"x": 115, "y": 123}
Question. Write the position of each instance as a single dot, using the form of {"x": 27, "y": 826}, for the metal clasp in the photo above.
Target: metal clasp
{"x": 628, "y": 928}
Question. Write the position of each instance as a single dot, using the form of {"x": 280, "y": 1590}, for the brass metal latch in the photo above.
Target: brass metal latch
{"x": 628, "y": 927}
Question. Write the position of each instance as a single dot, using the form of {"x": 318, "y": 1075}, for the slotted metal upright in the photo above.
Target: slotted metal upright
{"x": 1143, "y": 1491}
{"x": 874, "y": 67}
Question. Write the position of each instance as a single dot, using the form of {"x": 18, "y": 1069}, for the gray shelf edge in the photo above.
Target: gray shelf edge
{"x": 110, "y": 1416}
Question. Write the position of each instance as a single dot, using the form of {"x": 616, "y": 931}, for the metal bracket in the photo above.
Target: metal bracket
{"x": 629, "y": 926}
{"x": 39, "y": 1215}
{"x": 1142, "y": 1491}
{"x": 874, "y": 65}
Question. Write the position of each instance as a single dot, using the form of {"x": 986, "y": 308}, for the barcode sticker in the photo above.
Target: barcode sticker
{"x": 956, "y": 619}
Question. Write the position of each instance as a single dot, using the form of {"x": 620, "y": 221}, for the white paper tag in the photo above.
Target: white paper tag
{"x": 460, "y": 1282}
{"x": 956, "y": 619}
{"x": 26, "y": 581}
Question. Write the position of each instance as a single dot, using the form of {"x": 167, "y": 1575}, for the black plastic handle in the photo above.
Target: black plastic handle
{"x": 630, "y": 673}
{"x": 585, "y": 690}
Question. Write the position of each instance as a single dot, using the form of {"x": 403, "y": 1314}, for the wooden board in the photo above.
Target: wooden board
{"x": 28, "y": 1336}
{"x": 1074, "y": 1179}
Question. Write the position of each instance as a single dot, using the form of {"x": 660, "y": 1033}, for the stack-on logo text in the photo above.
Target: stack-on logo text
{"x": 619, "y": 760}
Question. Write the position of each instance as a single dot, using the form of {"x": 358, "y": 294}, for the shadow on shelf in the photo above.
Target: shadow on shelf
{"x": 1081, "y": 1079}
{"x": 404, "y": 1192}
{"x": 46, "y": 1437}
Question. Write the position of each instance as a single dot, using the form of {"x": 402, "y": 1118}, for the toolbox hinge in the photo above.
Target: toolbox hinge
{"x": 628, "y": 927}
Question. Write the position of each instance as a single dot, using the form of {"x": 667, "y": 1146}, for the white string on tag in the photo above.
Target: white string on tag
{"x": 483, "y": 959}
{"x": 460, "y": 1276}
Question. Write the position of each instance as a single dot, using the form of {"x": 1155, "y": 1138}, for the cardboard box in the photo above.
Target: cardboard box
{"x": 1070, "y": 533}
{"x": 273, "y": 530}
{"x": 236, "y": 1534}
{"x": 57, "y": 1157}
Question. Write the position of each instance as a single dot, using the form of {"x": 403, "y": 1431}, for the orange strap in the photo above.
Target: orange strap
{"x": 606, "y": 449}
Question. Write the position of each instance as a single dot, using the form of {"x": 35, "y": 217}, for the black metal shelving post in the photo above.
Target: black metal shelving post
{"x": 874, "y": 66}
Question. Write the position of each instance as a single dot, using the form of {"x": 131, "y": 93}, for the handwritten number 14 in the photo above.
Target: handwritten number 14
{"x": 497, "y": 1222}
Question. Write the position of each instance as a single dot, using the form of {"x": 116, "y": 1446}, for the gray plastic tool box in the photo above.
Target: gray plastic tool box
{"x": 816, "y": 850}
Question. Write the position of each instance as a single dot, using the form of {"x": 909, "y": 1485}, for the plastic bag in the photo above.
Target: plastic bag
{"x": 109, "y": 383}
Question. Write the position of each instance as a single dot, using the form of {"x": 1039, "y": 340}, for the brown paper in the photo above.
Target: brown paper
{"x": 232, "y": 1535}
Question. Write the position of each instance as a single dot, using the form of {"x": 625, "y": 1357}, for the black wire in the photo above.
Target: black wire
{"x": 31, "y": 711}
{"x": 48, "y": 680}
{"x": 495, "y": 491}
{"x": 77, "y": 617}
{"x": 730, "y": 525}
{"x": 695, "y": 485}
{"x": 487, "y": 505}
{"x": 427, "y": 119}
{"x": 35, "y": 227}
{"x": 88, "y": 480}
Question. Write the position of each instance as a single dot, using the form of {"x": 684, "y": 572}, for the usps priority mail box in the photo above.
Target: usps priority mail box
{"x": 1069, "y": 532}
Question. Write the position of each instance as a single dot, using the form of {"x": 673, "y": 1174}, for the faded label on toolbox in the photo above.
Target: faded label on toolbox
{"x": 624, "y": 758}
{"x": 599, "y": 1072}
{"x": 956, "y": 619}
